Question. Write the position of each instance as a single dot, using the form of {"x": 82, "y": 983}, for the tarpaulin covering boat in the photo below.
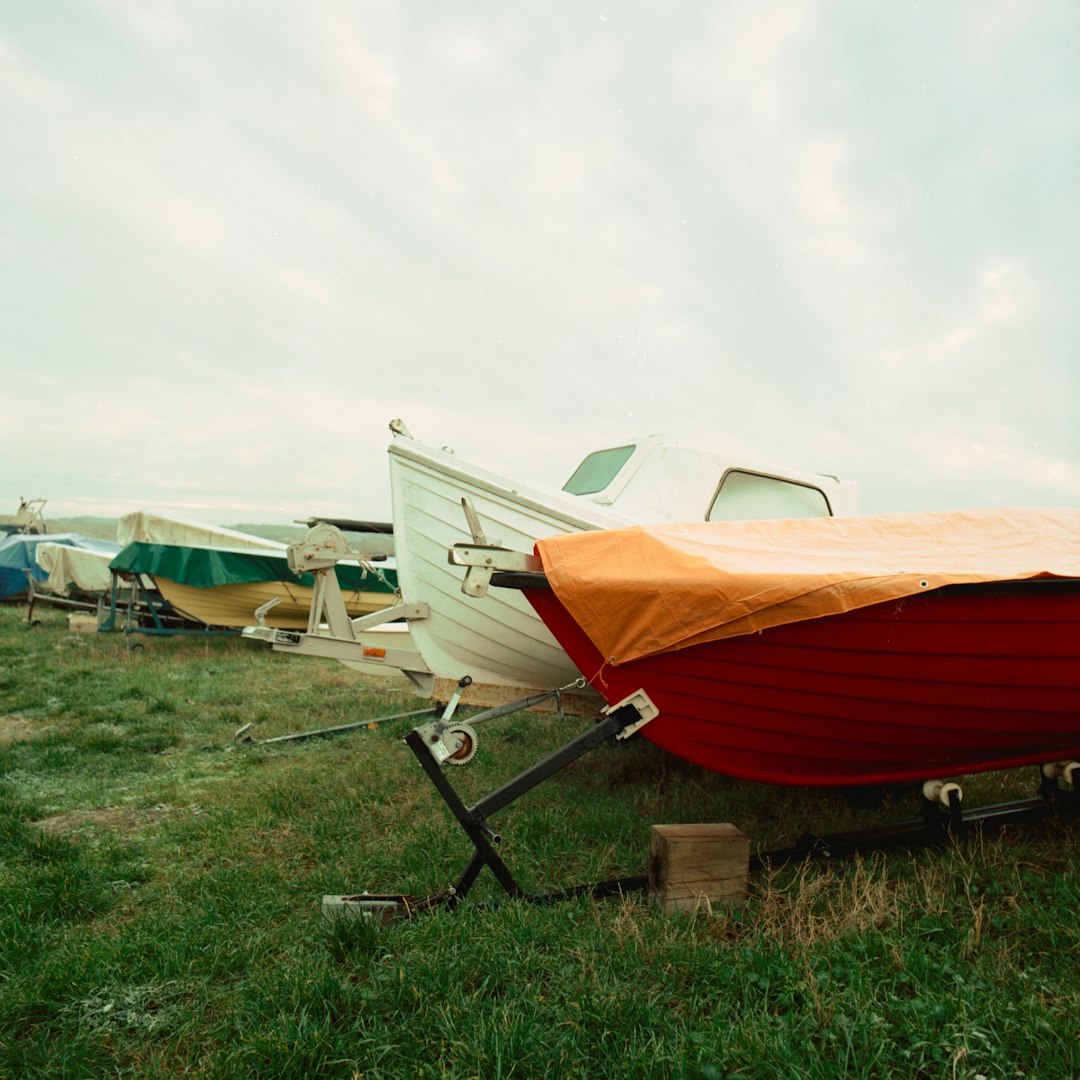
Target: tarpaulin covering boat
{"x": 223, "y": 586}
{"x": 71, "y": 570}
{"x": 834, "y": 651}
{"x": 157, "y": 527}
{"x": 17, "y": 558}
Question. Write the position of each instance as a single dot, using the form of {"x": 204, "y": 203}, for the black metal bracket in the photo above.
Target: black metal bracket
{"x": 934, "y": 826}
{"x": 473, "y": 819}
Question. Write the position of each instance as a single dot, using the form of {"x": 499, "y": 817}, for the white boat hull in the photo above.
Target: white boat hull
{"x": 496, "y": 640}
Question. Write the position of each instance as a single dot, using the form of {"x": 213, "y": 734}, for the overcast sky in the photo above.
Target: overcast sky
{"x": 237, "y": 237}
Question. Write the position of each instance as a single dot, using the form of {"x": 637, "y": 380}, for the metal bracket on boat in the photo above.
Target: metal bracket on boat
{"x": 485, "y": 555}
{"x": 483, "y": 560}
{"x": 1069, "y": 771}
{"x": 263, "y": 609}
{"x": 476, "y": 530}
{"x": 454, "y": 742}
{"x": 347, "y": 645}
{"x": 642, "y": 704}
{"x": 947, "y": 796}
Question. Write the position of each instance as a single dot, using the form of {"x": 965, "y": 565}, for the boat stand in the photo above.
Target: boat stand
{"x": 943, "y": 819}
{"x": 473, "y": 820}
{"x": 140, "y": 609}
{"x": 936, "y": 825}
{"x": 36, "y": 595}
{"x": 455, "y": 742}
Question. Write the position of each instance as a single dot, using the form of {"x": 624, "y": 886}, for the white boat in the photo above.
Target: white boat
{"x": 81, "y": 579}
{"x": 498, "y": 640}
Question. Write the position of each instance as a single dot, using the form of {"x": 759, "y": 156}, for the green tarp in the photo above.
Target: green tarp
{"x": 205, "y": 568}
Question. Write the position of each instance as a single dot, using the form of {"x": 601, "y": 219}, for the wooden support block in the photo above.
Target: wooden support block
{"x": 692, "y": 866}
{"x": 79, "y": 623}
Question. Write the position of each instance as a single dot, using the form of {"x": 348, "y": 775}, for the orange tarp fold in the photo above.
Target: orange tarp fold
{"x": 656, "y": 588}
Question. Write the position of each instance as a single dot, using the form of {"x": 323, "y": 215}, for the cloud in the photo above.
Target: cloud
{"x": 240, "y": 239}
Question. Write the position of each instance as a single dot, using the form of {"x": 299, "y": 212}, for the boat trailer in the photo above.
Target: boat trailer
{"x": 450, "y": 741}
{"x": 136, "y": 607}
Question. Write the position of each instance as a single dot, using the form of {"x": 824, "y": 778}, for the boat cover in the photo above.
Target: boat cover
{"x": 209, "y": 567}
{"x": 17, "y": 557}
{"x": 656, "y": 588}
{"x": 69, "y": 568}
{"x": 154, "y": 527}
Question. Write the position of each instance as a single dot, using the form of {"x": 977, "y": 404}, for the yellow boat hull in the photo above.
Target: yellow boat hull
{"x": 234, "y": 605}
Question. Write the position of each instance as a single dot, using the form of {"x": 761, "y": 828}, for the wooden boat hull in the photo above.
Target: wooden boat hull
{"x": 964, "y": 679}
{"x": 234, "y": 605}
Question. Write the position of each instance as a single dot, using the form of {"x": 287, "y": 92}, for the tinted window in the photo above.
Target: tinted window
{"x": 598, "y": 470}
{"x": 745, "y": 496}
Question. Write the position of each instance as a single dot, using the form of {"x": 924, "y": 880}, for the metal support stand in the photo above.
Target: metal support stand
{"x": 934, "y": 826}
{"x": 143, "y": 610}
{"x": 941, "y": 822}
{"x": 474, "y": 819}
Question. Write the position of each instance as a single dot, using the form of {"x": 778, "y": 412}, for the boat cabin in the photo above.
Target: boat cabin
{"x": 658, "y": 479}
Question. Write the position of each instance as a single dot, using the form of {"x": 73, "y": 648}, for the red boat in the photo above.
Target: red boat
{"x": 831, "y": 652}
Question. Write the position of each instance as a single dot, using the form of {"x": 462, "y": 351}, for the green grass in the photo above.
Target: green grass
{"x": 160, "y": 889}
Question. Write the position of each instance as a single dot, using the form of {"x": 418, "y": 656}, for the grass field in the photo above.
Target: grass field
{"x": 160, "y": 889}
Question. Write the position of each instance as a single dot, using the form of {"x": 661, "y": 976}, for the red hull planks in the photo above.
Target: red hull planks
{"x": 964, "y": 679}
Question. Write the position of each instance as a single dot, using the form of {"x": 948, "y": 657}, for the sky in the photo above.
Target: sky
{"x": 237, "y": 238}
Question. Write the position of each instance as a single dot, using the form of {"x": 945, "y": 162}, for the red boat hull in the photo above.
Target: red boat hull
{"x": 964, "y": 679}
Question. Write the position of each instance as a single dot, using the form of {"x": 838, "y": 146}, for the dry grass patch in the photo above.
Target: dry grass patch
{"x": 20, "y": 728}
{"x": 824, "y": 903}
{"x": 115, "y": 819}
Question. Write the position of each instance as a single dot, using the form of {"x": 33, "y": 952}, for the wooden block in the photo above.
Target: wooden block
{"x": 79, "y": 623}
{"x": 701, "y": 865}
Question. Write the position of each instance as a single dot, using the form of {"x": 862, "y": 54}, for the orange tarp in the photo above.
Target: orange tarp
{"x": 655, "y": 588}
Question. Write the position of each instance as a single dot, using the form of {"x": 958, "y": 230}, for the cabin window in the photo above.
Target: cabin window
{"x": 598, "y": 470}
{"x": 746, "y": 496}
